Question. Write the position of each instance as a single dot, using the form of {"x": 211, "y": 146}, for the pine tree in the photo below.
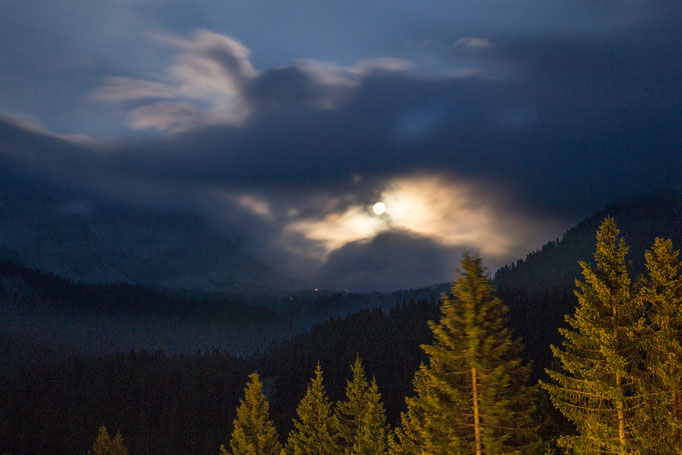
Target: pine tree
{"x": 472, "y": 397}
{"x": 595, "y": 387}
{"x": 104, "y": 445}
{"x": 372, "y": 434}
{"x": 361, "y": 417}
{"x": 660, "y": 421}
{"x": 314, "y": 430}
{"x": 254, "y": 433}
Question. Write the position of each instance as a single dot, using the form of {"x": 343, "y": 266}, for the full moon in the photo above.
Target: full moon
{"x": 379, "y": 208}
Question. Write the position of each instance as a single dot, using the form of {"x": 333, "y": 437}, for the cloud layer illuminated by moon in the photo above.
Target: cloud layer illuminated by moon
{"x": 478, "y": 132}
{"x": 450, "y": 213}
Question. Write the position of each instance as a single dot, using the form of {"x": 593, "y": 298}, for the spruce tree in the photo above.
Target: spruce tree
{"x": 314, "y": 430}
{"x": 361, "y": 417}
{"x": 253, "y": 433}
{"x": 660, "y": 421}
{"x": 372, "y": 434}
{"x": 104, "y": 445}
{"x": 594, "y": 389}
{"x": 472, "y": 397}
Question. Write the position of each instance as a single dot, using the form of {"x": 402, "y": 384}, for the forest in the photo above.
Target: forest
{"x": 446, "y": 376}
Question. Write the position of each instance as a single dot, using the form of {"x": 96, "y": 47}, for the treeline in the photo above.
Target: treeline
{"x": 184, "y": 404}
{"x": 616, "y": 378}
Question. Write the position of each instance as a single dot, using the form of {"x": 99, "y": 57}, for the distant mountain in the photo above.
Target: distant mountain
{"x": 93, "y": 240}
{"x": 555, "y": 265}
{"x": 43, "y": 316}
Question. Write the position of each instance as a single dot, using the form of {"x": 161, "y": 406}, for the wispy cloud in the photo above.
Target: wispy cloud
{"x": 254, "y": 204}
{"x": 127, "y": 89}
{"x": 472, "y": 42}
{"x": 212, "y": 81}
{"x": 32, "y": 124}
{"x": 206, "y": 84}
{"x": 334, "y": 230}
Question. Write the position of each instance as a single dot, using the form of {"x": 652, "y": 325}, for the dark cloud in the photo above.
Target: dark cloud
{"x": 396, "y": 260}
{"x": 555, "y": 125}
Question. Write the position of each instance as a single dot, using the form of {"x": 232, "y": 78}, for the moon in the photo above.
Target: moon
{"x": 379, "y": 208}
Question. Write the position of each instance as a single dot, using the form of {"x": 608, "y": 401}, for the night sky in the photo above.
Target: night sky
{"x": 488, "y": 126}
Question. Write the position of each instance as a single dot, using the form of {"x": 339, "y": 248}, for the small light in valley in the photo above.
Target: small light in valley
{"x": 379, "y": 208}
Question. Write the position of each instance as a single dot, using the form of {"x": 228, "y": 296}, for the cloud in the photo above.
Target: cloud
{"x": 167, "y": 116}
{"x": 211, "y": 66}
{"x": 255, "y": 204}
{"x": 390, "y": 261}
{"x": 51, "y": 70}
{"x": 31, "y": 124}
{"x": 212, "y": 82}
{"x": 127, "y": 89}
{"x": 450, "y": 212}
{"x": 206, "y": 85}
{"x": 498, "y": 165}
{"x": 333, "y": 230}
{"x": 337, "y": 75}
{"x": 470, "y": 42}
{"x": 453, "y": 213}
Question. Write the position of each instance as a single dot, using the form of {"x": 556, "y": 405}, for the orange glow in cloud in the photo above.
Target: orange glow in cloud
{"x": 451, "y": 213}
{"x": 336, "y": 229}
{"x": 455, "y": 214}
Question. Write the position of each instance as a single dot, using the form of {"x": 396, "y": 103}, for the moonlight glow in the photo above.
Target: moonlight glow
{"x": 379, "y": 208}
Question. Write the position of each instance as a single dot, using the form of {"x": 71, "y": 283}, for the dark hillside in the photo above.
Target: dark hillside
{"x": 555, "y": 265}
{"x": 51, "y": 314}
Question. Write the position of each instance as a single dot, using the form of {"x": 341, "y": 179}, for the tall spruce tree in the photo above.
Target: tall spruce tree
{"x": 660, "y": 421}
{"x": 253, "y": 433}
{"x": 104, "y": 445}
{"x": 314, "y": 430}
{"x": 595, "y": 388}
{"x": 472, "y": 397}
{"x": 361, "y": 417}
{"x": 373, "y": 431}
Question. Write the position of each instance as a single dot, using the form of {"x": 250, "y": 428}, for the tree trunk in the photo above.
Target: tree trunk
{"x": 621, "y": 420}
{"x": 477, "y": 422}
{"x": 619, "y": 403}
{"x": 677, "y": 417}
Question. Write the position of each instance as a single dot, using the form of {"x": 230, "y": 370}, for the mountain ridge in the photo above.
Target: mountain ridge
{"x": 555, "y": 264}
{"x": 94, "y": 240}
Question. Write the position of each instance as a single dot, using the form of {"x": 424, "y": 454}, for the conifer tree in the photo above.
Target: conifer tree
{"x": 660, "y": 421}
{"x": 595, "y": 387}
{"x": 361, "y": 417}
{"x": 372, "y": 434}
{"x": 472, "y": 397}
{"x": 314, "y": 430}
{"x": 104, "y": 445}
{"x": 253, "y": 433}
